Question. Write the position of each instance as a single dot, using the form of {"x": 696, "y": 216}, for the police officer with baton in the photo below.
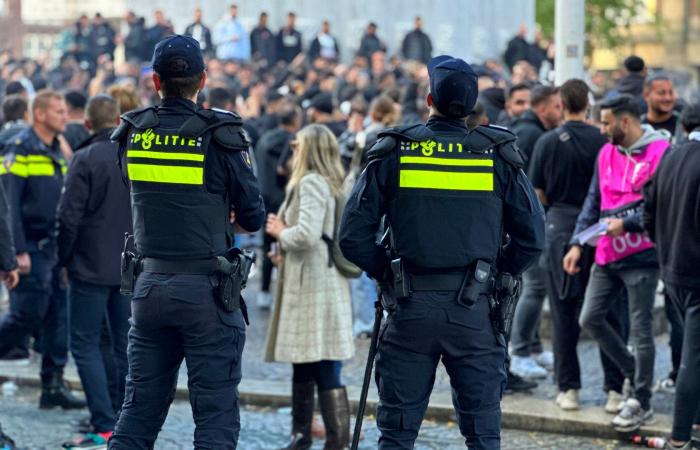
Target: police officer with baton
{"x": 463, "y": 223}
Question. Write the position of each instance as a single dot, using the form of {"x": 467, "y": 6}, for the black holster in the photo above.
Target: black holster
{"x": 503, "y": 304}
{"x": 129, "y": 268}
{"x": 233, "y": 270}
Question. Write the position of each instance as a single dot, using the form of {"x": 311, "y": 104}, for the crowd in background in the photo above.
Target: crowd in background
{"x": 280, "y": 81}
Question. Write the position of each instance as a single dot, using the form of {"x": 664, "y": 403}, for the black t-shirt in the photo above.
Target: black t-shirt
{"x": 563, "y": 161}
{"x": 668, "y": 124}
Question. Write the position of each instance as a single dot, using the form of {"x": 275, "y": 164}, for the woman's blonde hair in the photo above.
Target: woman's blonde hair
{"x": 317, "y": 151}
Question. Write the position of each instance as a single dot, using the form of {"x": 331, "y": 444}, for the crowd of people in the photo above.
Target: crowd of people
{"x": 591, "y": 148}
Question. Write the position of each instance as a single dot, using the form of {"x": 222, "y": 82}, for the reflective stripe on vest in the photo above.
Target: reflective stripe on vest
{"x": 31, "y": 166}
{"x": 455, "y": 174}
{"x": 165, "y": 158}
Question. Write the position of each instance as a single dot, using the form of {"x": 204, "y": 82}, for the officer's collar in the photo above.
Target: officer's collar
{"x": 446, "y": 121}
{"x": 54, "y": 144}
{"x": 178, "y": 103}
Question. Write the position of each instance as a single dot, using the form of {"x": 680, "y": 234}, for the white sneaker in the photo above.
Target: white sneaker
{"x": 264, "y": 300}
{"x": 526, "y": 367}
{"x": 632, "y": 416}
{"x": 568, "y": 401}
{"x": 545, "y": 360}
{"x": 615, "y": 402}
{"x": 666, "y": 386}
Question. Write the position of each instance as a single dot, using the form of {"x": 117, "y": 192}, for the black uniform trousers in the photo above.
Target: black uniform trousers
{"x": 686, "y": 303}
{"x": 422, "y": 330}
{"x": 39, "y": 305}
{"x": 176, "y": 317}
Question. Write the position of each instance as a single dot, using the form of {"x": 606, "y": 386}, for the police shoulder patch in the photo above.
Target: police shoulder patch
{"x": 8, "y": 160}
{"x": 245, "y": 156}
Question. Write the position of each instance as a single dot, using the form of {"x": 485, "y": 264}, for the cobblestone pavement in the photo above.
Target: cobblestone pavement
{"x": 261, "y": 429}
{"x": 591, "y": 394}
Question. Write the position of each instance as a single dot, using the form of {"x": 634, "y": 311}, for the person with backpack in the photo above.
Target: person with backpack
{"x": 311, "y": 321}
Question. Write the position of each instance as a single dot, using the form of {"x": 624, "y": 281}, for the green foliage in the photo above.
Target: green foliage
{"x": 604, "y": 19}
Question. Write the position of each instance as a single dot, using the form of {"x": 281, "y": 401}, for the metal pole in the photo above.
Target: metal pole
{"x": 569, "y": 16}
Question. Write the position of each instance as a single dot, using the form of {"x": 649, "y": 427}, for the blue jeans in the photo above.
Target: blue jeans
{"x": 38, "y": 304}
{"x": 363, "y": 293}
{"x": 524, "y": 337}
{"x": 102, "y": 366}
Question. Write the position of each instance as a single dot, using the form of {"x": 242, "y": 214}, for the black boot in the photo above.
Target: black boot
{"x": 302, "y": 416}
{"x": 55, "y": 393}
{"x": 335, "y": 410}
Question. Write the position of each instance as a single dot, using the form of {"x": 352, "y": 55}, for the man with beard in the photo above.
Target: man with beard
{"x": 517, "y": 102}
{"x": 625, "y": 256}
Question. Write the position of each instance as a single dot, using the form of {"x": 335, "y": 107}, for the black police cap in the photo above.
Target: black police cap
{"x": 177, "y": 56}
{"x": 453, "y": 85}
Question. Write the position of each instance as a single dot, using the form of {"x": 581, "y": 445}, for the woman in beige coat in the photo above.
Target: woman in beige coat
{"x": 311, "y": 323}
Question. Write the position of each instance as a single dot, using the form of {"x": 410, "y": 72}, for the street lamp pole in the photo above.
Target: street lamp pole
{"x": 569, "y": 17}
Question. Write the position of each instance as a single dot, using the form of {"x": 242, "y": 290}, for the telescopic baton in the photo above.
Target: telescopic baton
{"x": 378, "y": 316}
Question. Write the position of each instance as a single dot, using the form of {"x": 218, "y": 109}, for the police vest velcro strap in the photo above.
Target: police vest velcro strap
{"x": 463, "y": 174}
{"x": 31, "y": 166}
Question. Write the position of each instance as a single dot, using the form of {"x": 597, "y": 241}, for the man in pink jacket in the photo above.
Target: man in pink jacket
{"x": 625, "y": 256}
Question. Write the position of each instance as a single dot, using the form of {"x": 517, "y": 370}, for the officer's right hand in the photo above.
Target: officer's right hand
{"x": 24, "y": 263}
{"x": 571, "y": 260}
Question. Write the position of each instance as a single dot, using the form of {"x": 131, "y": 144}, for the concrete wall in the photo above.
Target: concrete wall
{"x": 472, "y": 29}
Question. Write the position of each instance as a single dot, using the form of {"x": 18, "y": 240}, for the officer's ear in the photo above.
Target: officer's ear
{"x": 88, "y": 125}
{"x": 429, "y": 100}
{"x": 203, "y": 81}
{"x": 156, "y": 81}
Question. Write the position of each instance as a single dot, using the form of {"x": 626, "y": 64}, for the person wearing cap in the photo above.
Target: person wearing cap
{"x": 671, "y": 202}
{"x": 449, "y": 196}
{"x": 190, "y": 177}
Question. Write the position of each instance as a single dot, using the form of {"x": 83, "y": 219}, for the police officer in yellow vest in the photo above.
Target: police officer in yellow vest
{"x": 188, "y": 169}
{"x": 449, "y": 197}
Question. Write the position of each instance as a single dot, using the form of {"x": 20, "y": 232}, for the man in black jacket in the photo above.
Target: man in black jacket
{"x": 529, "y": 359}
{"x": 135, "y": 44}
{"x": 289, "y": 43}
{"x": 8, "y": 271}
{"x": 201, "y": 33}
{"x": 671, "y": 217}
{"x": 416, "y": 44}
{"x": 93, "y": 216}
{"x": 262, "y": 42}
{"x": 269, "y": 153}
{"x": 371, "y": 43}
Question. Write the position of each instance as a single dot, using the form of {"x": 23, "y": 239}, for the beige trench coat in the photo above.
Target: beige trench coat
{"x": 311, "y": 318}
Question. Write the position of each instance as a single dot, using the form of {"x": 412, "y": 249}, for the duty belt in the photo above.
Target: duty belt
{"x": 189, "y": 267}
{"x": 450, "y": 282}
